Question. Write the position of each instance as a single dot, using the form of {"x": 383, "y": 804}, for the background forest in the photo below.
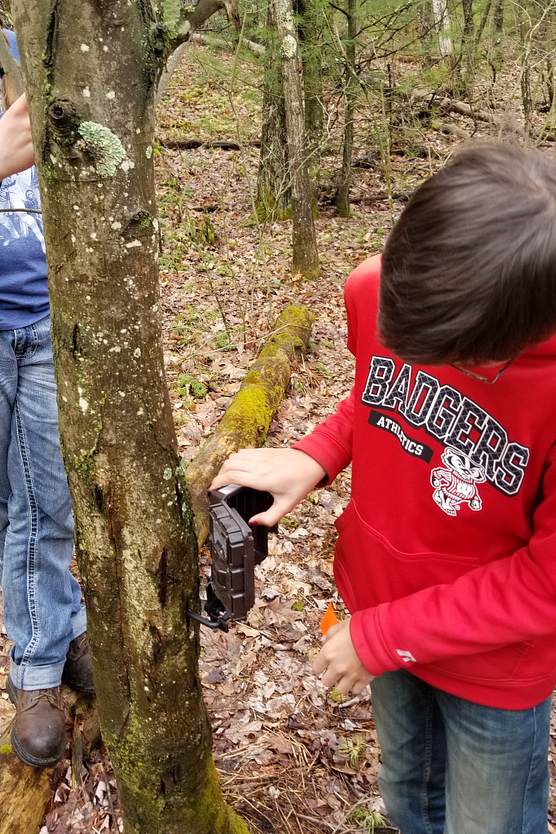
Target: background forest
{"x": 252, "y": 220}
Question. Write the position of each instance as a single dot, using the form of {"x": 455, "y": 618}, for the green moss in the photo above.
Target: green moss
{"x": 269, "y": 208}
{"x": 222, "y": 340}
{"x": 83, "y": 463}
{"x": 203, "y": 811}
{"x": 251, "y": 412}
{"x": 186, "y": 385}
{"x": 213, "y": 811}
{"x": 291, "y": 331}
{"x": 6, "y": 749}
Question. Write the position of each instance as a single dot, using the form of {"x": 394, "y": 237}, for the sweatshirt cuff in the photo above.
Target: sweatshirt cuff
{"x": 370, "y": 647}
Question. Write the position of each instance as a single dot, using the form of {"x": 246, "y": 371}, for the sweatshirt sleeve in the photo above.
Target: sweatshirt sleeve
{"x": 330, "y": 443}
{"x": 511, "y": 600}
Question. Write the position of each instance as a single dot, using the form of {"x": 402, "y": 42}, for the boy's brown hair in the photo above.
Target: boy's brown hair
{"x": 469, "y": 270}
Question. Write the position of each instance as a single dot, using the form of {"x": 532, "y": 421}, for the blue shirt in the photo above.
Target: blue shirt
{"x": 23, "y": 275}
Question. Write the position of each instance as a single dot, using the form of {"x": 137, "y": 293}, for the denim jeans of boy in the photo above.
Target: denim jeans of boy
{"x": 453, "y": 767}
{"x": 42, "y": 609}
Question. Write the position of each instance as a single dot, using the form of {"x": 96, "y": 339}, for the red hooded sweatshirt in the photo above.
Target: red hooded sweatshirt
{"x": 446, "y": 554}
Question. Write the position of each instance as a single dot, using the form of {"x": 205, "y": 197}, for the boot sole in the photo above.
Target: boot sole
{"x": 20, "y": 751}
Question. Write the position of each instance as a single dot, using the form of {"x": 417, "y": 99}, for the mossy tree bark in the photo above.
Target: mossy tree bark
{"x": 91, "y": 71}
{"x": 304, "y": 240}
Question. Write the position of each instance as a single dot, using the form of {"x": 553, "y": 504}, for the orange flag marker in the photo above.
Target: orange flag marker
{"x": 329, "y": 619}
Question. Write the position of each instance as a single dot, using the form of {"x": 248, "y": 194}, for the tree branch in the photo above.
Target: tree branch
{"x": 192, "y": 19}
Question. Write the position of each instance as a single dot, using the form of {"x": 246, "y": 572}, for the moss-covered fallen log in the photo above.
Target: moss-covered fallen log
{"x": 247, "y": 419}
{"x": 25, "y": 791}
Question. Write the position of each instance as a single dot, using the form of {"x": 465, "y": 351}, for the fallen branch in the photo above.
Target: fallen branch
{"x": 449, "y": 129}
{"x": 247, "y": 419}
{"x": 193, "y": 144}
{"x": 208, "y": 40}
{"x": 504, "y": 123}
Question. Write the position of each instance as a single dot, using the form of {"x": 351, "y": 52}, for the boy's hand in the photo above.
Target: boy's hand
{"x": 339, "y": 662}
{"x": 288, "y": 474}
{"x": 16, "y": 144}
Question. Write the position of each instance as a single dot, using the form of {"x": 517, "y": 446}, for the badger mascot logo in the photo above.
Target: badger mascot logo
{"x": 457, "y": 483}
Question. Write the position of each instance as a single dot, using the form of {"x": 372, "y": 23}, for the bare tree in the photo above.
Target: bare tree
{"x": 350, "y": 90}
{"x": 304, "y": 241}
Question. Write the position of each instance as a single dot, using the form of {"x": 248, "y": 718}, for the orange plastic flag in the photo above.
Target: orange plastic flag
{"x": 329, "y": 619}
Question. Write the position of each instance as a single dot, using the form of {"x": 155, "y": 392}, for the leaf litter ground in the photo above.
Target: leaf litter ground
{"x": 292, "y": 756}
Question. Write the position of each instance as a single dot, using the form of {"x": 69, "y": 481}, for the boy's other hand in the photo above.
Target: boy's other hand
{"x": 338, "y": 662}
{"x": 288, "y": 474}
{"x": 16, "y": 144}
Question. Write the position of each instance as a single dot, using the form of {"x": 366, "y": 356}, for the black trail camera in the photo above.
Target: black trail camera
{"x": 235, "y": 549}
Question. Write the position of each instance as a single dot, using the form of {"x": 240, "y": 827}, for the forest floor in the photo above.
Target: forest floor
{"x": 292, "y": 756}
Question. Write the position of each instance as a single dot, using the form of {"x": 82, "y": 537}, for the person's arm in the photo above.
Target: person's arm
{"x": 290, "y": 474}
{"x": 511, "y": 600}
{"x": 16, "y": 144}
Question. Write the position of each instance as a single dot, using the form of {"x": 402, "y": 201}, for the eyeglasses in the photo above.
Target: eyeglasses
{"x": 483, "y": 378}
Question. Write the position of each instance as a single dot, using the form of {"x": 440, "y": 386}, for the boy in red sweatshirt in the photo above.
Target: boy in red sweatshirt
{"x": 446, "y": 555}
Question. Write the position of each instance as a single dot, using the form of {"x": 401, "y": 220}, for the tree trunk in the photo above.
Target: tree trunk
{"x": 304, "y": 240}
{"x": 497, "y": 58}
{"x": 499, "y": 17}
{"x": 425, "y": 24}
{"x": 468, "y": 46}
{"x": 442, "y": 25}
{"x": 310, "y": 27}
{"x": 350, "y": 90}
{"x": 91, "y": 70}
{"x": 273, "y": 179}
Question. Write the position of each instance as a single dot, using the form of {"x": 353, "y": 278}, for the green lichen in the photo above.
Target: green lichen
{"x": 289, "y": 47}
{"x": 104, "y": 146}
{"x": 6, "y": 749}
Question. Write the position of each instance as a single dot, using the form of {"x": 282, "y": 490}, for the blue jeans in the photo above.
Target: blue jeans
{"x": 453, "y": 767}
{"x": 42, "y": 601}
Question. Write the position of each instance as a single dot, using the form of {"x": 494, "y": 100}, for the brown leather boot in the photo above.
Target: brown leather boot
{"x": 78, "y": 669}
{"x": 39, "y": 731}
